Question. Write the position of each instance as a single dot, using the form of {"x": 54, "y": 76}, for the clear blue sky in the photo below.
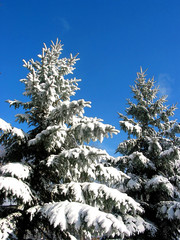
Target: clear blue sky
{"x": 113, "y": 38}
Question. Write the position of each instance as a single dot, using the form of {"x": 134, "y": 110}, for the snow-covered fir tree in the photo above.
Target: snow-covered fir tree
{"x": 151, "y": 158}
{"x": 53, "y": 185}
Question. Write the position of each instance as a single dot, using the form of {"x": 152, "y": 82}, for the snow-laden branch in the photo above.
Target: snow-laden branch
{"x": 71, "y": 214}
{"x": 169, "y": 210}
{"x": 157, "y": 181}
{"x": 91, "y": 154}
{"x": 131, "y": 128}
{"x": 58, "y": 130}
{"x": 7, "y": 128}
{"x": 136, "y": 224}
{"x": 18, "y": 170}
{"x": 16, "y": 188}
{"x": 137, "y": 158}
{"x": 8, "y": 226}
{"x": 172, "y": 152}
{"x": 110, "y": 175}
{"x": 127, "y": 146}
{"x": 101, "y": 194}
{"x": 87, "y": 129}
{"x": 66, "y": 110}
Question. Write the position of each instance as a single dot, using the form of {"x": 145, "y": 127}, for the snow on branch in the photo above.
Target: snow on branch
{"x": 169, "y": 210}
{"x": 8, "y": 225}
{"x": 21, "y": 118}
{"x": 140, "y": 160}
{"x": 33, "y": 211}
{"x": 88, "y": 192}
{"x": 40, "y": 136}
{"x": 71, "y": 214}
{"x": 16, "y": 188}
{"x": 89, "y": 159}
{"x": 67, "y": 109}
{"x": 4, "y": 126}
{"x": 110, "y": 175}
{"x": 87, "y": 129}
{"x": 134, "y": 184}
{"x": 81, "y": 152}
{"x": 17, "y": 104}
{"x": 136, "y": 224}
{"x": 7, "y": 128}
{"x": 18, "y": 170}
{"x": 131, "y": 128}
{"x": 161, "y": 183}
{"x": 126, "y": 147}
{"x": 171, "y": 153}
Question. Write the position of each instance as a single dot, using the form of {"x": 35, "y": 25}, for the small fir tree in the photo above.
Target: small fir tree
{"x": 53, "y": 185}
{"x": 152, "y": 159}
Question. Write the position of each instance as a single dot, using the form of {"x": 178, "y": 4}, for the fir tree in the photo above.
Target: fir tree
{"x": 54, "y": 184}
{"x": 151, "y": 158}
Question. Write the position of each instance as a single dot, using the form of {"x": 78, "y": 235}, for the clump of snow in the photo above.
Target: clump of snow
{"x": 18, "y": 132}
{"x": 134, "y": 129}
{"x": 167, "y": 153}
{"x": 6, "y": 127}
{"x": 33, "y": 210}
{"x": 169, "y": 209}
{"x": 101, "y": 193}
{"x": 18, "y": 170}
{"x": 136, "y": 224}
{"x": 72, "y": 237}
{"x": 57, "y": 133}
{"x": 141, "y": 159}
{"x": 87, "y": 129}
{"x": 110, "y": 174}
{"x": 67, "y": 109}
{"x": 86, "y": 152}
{"x": 154, "y": 145}
{"x": 66, "y": 213}
{"x": 160, "y": 180}
{"x": 17, "y": 188}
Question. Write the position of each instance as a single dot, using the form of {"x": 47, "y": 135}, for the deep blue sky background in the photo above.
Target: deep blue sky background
{"x": 113, "y": 38}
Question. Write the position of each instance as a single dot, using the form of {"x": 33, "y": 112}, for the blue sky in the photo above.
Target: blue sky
{"x": 113, "y": 38}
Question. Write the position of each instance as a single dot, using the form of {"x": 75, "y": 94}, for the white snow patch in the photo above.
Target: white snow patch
{"x": 170, "y": 209}
{"x": 136, "y": 224}
{"x": 19, "y": 170}
{"x": 156, "y": 180}
{"x": 131, "y": 128}
{"x": 120, "y": 200}
{"x": 4, "y": 126}
{"x": 16, "y": 188}
{"x": 64, "y": 213}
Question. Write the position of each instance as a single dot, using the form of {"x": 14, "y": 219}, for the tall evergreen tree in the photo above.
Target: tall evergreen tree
{"x": 151, "y": 157}
{"x": 56, "y": 185}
